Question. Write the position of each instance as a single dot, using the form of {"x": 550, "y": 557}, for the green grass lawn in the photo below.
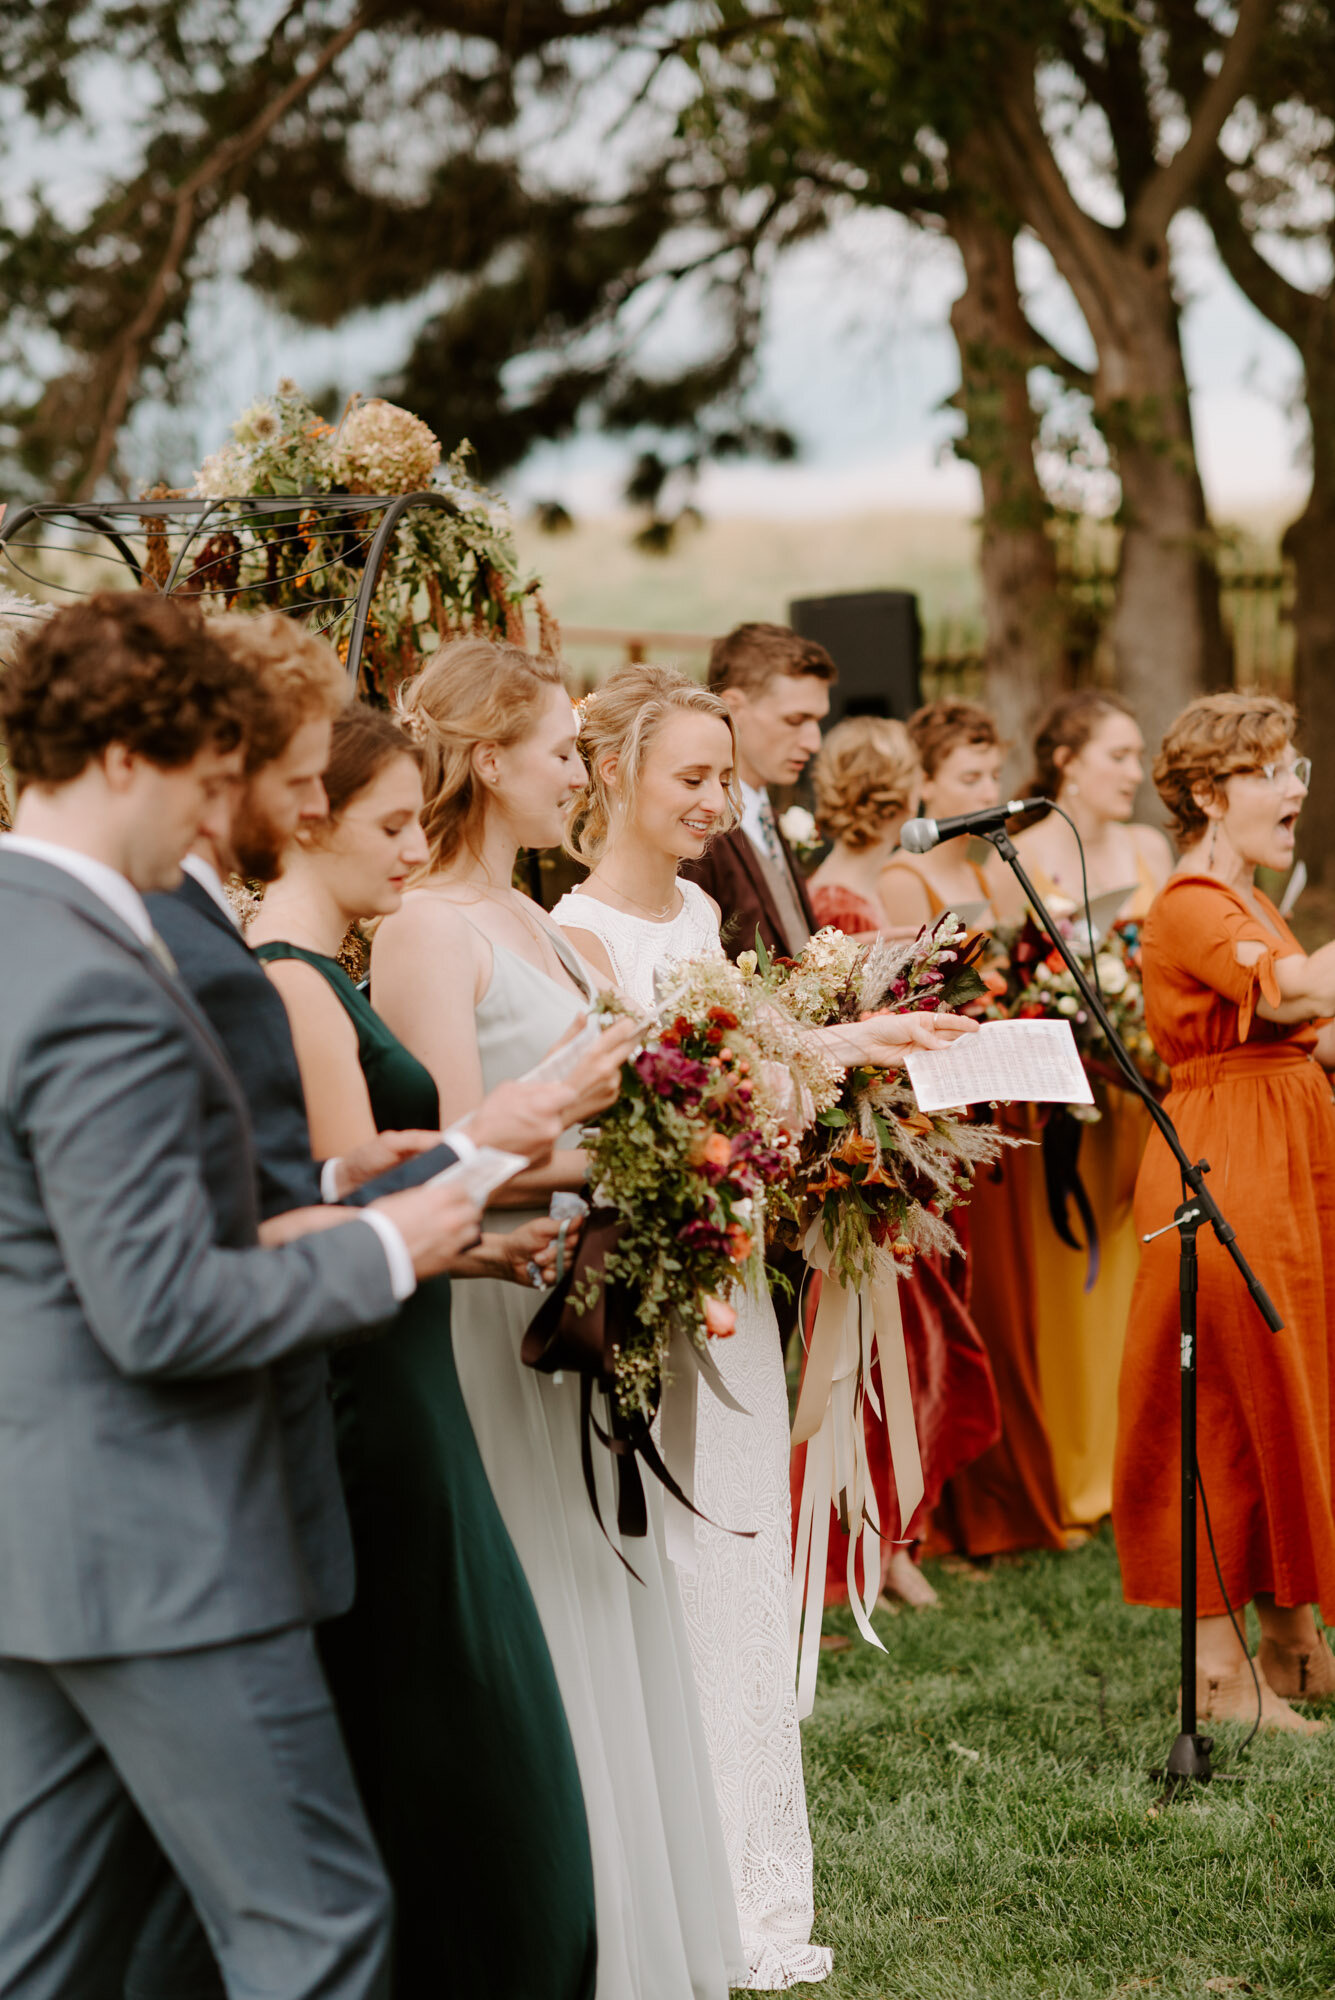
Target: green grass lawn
{"x": 984, "y": 1823}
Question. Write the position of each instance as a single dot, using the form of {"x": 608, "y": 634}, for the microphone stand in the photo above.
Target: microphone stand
{"x": 1189, "y": 1759}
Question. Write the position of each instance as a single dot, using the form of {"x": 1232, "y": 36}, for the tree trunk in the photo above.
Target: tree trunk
{"x": 1166, "y": 633}
{"x": 1025, "y": 649}
{"x": 1310, "y": 544}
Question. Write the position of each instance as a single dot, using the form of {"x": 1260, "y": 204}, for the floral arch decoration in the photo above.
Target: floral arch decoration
{"x": 357, "y": 528}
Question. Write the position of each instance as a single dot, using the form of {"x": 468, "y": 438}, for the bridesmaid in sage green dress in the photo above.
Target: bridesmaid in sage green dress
{"x": 440, "y": 1672}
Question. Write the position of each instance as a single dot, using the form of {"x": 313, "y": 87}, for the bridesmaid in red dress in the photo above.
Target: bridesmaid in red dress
{"x": 1007, "y": 1499}
{"x": 866, "y": 780}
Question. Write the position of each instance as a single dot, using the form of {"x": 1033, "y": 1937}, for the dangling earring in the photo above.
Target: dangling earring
{"x": 1214, "y": 836}
{"x": 1072, "y": 789}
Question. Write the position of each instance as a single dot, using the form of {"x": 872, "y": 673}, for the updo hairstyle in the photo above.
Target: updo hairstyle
{"x": 470, "y": 692}
{"x": 620, "y": 720}
{"x": 1068, "y": 725}
{"x": 364, "y": 740}
{"x": 1217, "y": 737}
{"x": 941, "y": 726}
{"x": 864, "y": 774}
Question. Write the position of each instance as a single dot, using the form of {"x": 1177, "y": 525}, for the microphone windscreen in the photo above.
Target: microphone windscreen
{"x": 918, "y": 836}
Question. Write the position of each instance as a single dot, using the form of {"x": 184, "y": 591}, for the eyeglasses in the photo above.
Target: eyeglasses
{"x": 1277, "y": 773}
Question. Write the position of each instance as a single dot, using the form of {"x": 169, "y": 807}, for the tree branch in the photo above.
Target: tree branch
{"x": 1274, "y": 297}
{"x": 1079, "y": 245}
{"x": 126, "y": 354}
{"x": 1042, "y": 354}
{"x": 1173, "y": 185}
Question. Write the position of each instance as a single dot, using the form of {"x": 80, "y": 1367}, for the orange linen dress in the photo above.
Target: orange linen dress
{"x": 1251, "y": 1098}
{"x": 1007, "y": 1499}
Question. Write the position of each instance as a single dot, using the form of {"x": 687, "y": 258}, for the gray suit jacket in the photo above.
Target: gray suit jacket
{"x": 144, "y": 1501}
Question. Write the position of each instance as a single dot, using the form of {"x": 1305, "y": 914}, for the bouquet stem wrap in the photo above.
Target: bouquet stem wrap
{"x": 850, "y": 1326}
{"x": 583, "y": 1338}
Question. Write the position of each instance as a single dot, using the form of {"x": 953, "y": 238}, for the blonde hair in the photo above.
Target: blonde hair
{"x": 1217, "y": 737}
{"x": 470, "y": 692}
{"x": 865, "y": 772}
{"x": 295, "y": 675}
{"x": 620, "y": 721}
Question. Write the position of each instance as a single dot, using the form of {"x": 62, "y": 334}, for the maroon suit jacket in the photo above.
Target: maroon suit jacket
{"x": 731, "y": 874}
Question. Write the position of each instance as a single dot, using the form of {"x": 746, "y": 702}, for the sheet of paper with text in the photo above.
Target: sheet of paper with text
{"x": 1027, "y": 1062}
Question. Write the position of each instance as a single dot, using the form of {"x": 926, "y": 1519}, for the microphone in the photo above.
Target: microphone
{"x": 919, "y": 836}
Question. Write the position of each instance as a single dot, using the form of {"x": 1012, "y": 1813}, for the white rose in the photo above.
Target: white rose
{"x": 798, "y": 827}
{"x": 1113, "y": 974}
{"x": 1067, "y": 1004}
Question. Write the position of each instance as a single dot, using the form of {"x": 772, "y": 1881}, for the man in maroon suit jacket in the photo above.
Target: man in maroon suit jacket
{"x": 777, "y": 687}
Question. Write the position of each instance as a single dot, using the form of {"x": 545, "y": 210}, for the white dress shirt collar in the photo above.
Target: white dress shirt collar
{"x": 107, "y": 883}
{"x": 210, "y": 881}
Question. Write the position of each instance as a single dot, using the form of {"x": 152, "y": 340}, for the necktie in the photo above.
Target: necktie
{"x": 769, "y": 832}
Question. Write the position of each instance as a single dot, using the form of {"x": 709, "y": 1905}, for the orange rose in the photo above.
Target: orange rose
{"x": 739, "y": 1243}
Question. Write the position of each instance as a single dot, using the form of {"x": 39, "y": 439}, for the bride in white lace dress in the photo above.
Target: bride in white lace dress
{"x": 659, "y": 751}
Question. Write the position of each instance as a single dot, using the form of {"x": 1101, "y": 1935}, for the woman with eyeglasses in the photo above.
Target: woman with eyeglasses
{"x": 1242, "y": 1016}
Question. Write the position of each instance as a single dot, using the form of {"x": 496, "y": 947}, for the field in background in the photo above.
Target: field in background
{"x": 732, "y": 568}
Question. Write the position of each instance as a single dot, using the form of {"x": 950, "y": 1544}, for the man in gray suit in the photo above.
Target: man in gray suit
{"x": 159, "y": 1690}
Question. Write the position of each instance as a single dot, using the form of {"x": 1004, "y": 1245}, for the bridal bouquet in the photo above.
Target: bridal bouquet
{"x": 875, "y": 1179}
{"x": 876, "y": 1174}
{"x": 687, "y": 1163}
{"x": 1028, "y": 981}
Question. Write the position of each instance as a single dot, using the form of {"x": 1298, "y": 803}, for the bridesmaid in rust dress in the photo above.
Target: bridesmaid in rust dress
{"x": 866, "y": 780}
{"x": 1007, "y": 1499}
{"x": 1242, "y": 1016}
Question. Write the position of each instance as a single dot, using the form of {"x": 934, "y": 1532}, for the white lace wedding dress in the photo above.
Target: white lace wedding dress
{"x": 736, "y": 1599}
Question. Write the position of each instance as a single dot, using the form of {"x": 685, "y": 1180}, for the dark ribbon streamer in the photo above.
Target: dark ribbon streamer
{"x": 561, "y": 1336}
{"x": 1061, "y": 1175}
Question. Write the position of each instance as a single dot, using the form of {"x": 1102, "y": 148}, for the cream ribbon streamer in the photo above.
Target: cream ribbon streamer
{"x": 850, "y": 1326}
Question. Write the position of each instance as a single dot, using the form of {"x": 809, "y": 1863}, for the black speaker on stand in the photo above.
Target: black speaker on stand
{"x": 875, "y": 639}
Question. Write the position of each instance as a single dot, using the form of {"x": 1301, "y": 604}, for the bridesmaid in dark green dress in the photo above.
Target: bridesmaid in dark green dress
{"x": 440, "y": 1672}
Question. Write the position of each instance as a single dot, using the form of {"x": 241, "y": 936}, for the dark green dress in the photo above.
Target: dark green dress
{"x": 440, "y": 1671}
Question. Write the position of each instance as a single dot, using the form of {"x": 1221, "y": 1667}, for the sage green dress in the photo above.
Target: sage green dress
{"x": 440, "y": 1672}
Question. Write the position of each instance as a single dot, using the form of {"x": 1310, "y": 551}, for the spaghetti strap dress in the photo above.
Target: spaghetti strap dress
{"x": 1250, "y": 1097}
{"x": 440, "y": 1672}
{"x": 1006, "y": 1499}
{"x": 667, "y": 1922}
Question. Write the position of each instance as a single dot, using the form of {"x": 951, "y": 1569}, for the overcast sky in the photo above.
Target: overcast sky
{"x": 858, "y": 360}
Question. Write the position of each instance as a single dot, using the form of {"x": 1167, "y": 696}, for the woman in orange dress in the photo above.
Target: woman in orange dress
{"x": 866, "y": 779}
{"x": 1234, "y": 1005}
{"x": 1006, "y": 1500}
{"x": 1087, "y": 753}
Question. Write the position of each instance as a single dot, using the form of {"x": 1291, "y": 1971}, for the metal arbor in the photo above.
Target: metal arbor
{"x": 165, "y": 544}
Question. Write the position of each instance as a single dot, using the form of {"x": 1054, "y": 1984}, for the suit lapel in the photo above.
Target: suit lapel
{"x": 745, "y": 855}
{"x": 798, "y": 880}
{"x": 42, "y": 878}
{"x": 197, "y": 896}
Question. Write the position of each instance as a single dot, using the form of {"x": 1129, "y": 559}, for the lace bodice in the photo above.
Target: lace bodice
{"x": 638, "y": 946}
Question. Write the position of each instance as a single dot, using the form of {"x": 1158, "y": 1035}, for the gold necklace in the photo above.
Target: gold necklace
{"x": 658, "y": 916}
